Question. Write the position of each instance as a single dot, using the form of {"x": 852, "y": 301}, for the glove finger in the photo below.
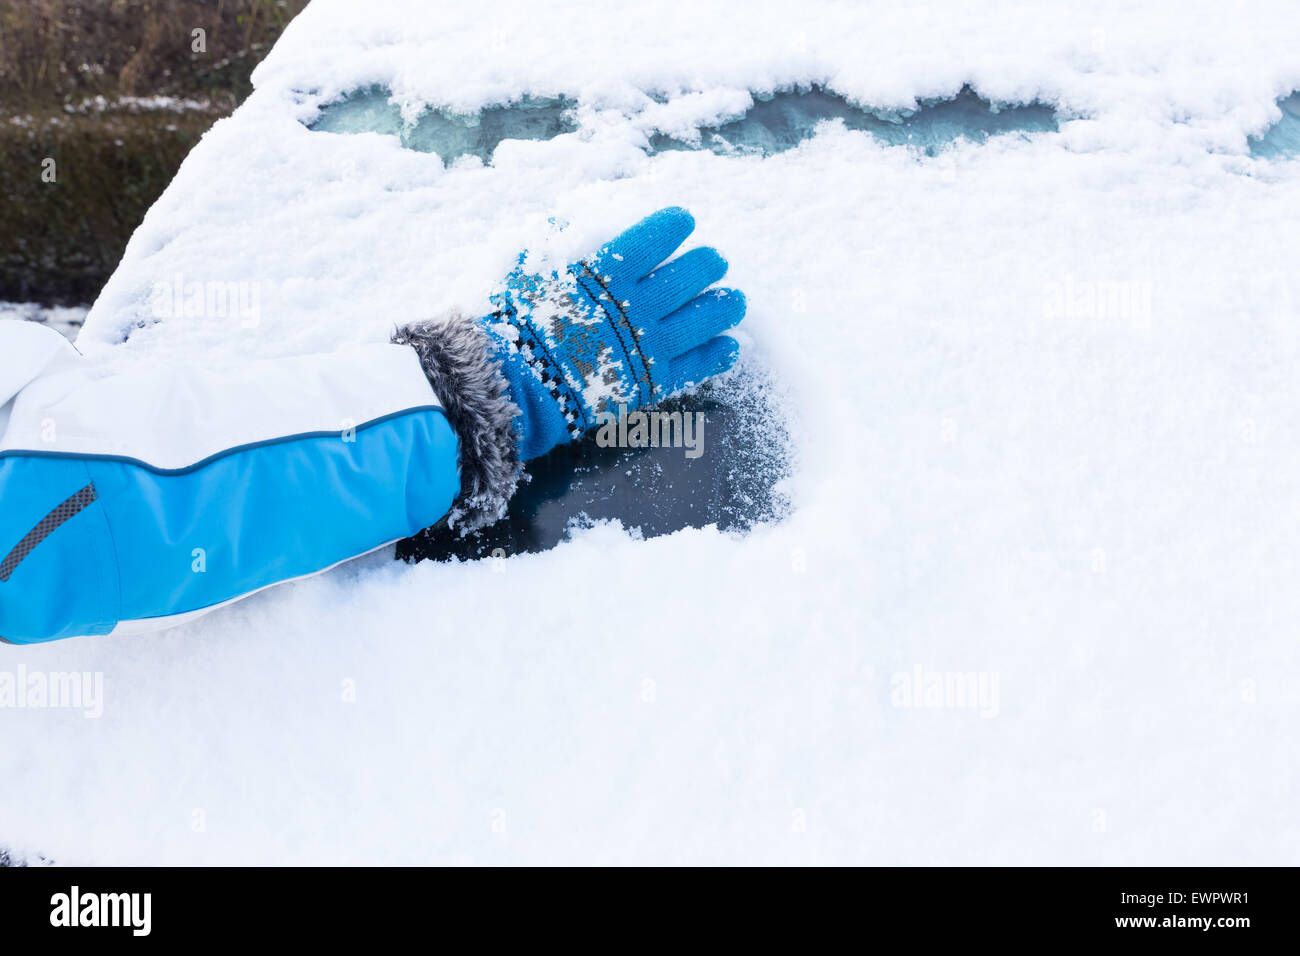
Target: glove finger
{"x": 635, "y": 252}
{"x": 707, "y": 315}
{"x": 675, "y": 283}
{"x": 712, "y": 358}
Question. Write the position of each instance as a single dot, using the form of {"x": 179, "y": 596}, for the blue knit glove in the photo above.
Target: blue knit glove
{"x": 612, "y": 330}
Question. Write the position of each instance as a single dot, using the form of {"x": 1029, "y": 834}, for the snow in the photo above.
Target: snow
{"x": 66, "y": 319}
{"x": 136, "y": 104}
{"x": 1046, "y": 420}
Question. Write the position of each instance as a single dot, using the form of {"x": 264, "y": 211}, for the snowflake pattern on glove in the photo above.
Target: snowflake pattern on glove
{"x": 613, "y": 330}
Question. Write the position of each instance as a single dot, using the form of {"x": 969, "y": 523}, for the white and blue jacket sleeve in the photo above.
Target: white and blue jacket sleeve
{"x": 134, "y": 495}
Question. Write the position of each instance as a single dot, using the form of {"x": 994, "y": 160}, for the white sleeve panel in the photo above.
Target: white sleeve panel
{"x": 173, "y": 417}
{"x": 29, "y": 350}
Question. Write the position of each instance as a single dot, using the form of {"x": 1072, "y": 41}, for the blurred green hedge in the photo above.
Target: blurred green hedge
{"x": 71, "y": 78}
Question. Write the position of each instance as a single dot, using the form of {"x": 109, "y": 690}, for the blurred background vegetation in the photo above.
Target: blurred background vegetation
{"x": 115, "y": 92}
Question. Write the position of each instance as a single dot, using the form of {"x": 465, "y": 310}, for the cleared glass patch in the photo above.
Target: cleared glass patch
{"x": 1282, "y": 139}
{"x": 783, "y": 120}
{"x": 450, "y": 135}
{"x": 727, "y": 471}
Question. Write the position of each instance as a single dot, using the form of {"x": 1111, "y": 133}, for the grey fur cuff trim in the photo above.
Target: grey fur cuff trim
{"x": 476, "y": 398}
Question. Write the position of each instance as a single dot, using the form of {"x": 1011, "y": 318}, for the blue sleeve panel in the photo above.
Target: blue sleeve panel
{"x": 87, "y": 542}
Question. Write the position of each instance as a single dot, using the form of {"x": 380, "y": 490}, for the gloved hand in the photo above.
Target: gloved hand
{"x": 616, "y": 329}
{"x": 562, "y": 349}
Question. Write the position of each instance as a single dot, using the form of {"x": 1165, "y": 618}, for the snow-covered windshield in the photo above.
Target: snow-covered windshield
{"x": 1032, "y": 392}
